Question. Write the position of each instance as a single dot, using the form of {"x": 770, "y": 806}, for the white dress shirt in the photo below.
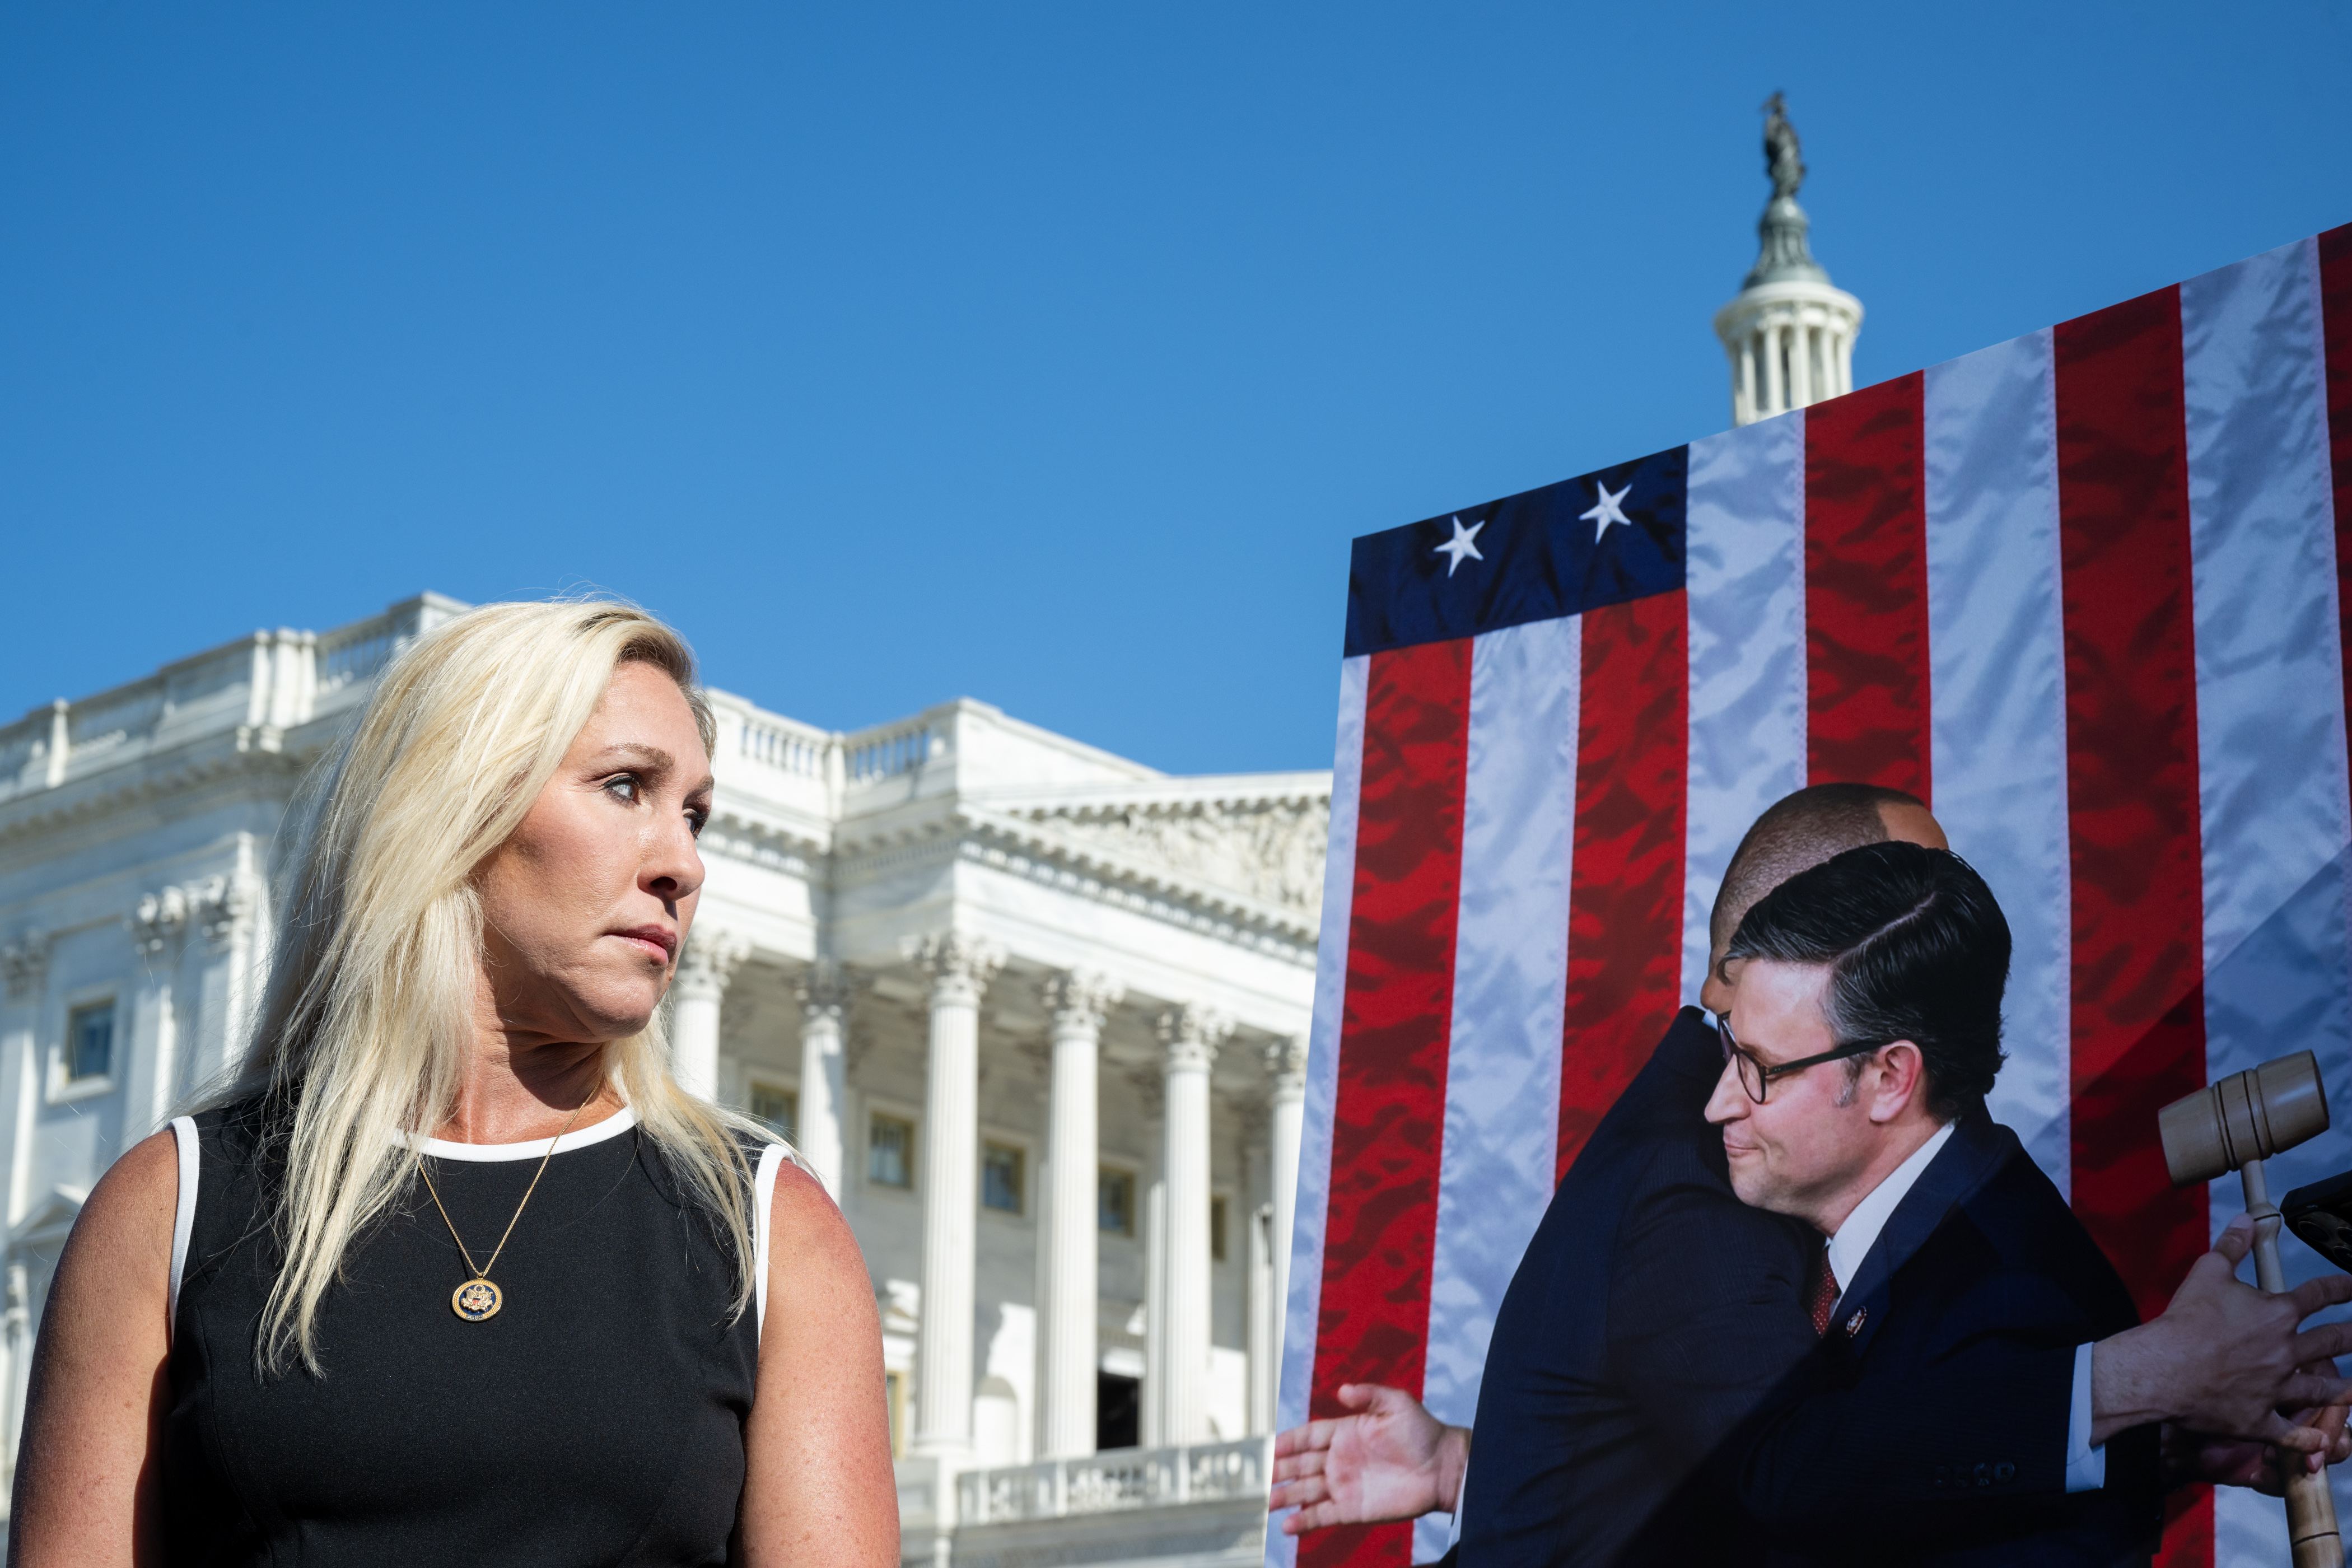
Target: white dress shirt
{"x": 2086, "y": 1468}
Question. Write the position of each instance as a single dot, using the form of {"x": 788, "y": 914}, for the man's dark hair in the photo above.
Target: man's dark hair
{"x": 1795, "y": 832}
{"x": 1917, "y": 947}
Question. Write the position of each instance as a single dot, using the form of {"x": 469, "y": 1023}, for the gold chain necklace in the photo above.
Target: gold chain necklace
{"x": 478, "y": 1300}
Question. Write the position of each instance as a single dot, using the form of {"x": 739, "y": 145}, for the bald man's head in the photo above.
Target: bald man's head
{"x": 1797, "y": 832}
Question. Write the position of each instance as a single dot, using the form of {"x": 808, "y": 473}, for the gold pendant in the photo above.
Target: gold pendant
{"x": 477, "y": 1300}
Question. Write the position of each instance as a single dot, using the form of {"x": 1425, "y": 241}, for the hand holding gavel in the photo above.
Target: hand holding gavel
{"x": 2235, "y": 1125}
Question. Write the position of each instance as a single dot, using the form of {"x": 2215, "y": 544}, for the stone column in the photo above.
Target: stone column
{"x": 230, "y": 912}
{"x": 1151, "y": 1089}
{"x": 1253, "y": 1232}
{"x": 948, "y": 1168}
{"x": 24, "y": 964}
{"x": 1190, "y": 1036}
{"x": 148, "y": 1050}
{"x": 1071, "y": 1300}
{"x": 825, "y": 999}
{"x": 1154, "y": 1403}
{"x": 711, "y": 957}
{"x": 1286, "y": 1063}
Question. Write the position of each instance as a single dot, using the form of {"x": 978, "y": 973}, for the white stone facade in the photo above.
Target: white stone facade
{"x": 1033, "y": 1011}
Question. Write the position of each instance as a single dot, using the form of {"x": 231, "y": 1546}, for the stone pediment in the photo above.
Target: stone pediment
{"x": 1260, "y": 835}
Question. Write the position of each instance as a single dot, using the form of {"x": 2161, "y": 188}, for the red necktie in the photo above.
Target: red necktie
{"x": 1823, "y": 1298}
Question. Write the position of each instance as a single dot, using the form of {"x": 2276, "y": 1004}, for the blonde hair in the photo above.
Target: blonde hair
{"x": 367, "y": 1021}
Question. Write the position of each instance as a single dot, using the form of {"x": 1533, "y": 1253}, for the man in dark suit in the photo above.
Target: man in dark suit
{"x": 1653, "y": 1314}
{"x": 1946, "y": 1277}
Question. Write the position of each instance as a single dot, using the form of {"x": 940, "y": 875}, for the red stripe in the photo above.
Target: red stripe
{"x": 2138, "y": 1017}
{"x": 1389, "y": 1115}
{"x": 1625, "y": 883}
{"x": 1867, "y": 589}
{"x": 2336, "y": 314}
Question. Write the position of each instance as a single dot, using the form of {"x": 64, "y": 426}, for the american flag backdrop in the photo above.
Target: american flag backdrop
{"x": 2083, "y": 592}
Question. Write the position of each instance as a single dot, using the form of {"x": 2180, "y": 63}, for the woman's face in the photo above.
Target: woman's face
{"x": 584, "y": 909}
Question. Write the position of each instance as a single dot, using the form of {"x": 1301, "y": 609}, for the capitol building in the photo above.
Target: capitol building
{"x": 1036, "y": 1014}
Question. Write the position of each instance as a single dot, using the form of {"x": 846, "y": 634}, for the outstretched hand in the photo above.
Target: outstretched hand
{"x": 1392, "y": 1460}
{"x": 2224, "y": 1359}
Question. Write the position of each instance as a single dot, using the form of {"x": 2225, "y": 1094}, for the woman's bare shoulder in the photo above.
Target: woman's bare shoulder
{"x": 805, "y": 1221}
{"x": 129, "y": 1213}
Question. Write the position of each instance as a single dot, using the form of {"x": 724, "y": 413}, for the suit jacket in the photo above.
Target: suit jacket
{"x": 1654, "y": 1393}
{"x": 1934, "y": 1414}
{"x": 1649, "y": 1317}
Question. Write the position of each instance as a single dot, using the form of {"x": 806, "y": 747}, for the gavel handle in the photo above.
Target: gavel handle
{"x": 2310, "y": 1507}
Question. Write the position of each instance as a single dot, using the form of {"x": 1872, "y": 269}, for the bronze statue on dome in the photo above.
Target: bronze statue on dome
{"x": 1784, "y": 158}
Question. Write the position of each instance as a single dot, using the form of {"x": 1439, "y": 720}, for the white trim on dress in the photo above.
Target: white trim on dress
{"x": 183, "y": 1216}
{"x": 763, "y": 1201}
{"x": 612, "y": 1126}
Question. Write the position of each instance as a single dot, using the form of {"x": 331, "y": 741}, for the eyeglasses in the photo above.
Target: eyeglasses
{"x": 1756, "y": 1074}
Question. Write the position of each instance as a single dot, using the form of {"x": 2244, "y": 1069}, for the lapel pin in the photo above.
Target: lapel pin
{"x": 1853, "y": 1324}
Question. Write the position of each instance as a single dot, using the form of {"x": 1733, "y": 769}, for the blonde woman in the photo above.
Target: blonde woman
{"x": 454, "y": 1272}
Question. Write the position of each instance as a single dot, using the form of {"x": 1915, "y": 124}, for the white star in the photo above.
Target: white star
{"x": 1610, "y": 510}
{"x": 1459, "y": 545}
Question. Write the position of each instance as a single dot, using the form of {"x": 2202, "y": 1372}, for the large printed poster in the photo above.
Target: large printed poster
{"x": 2082, "y": 592}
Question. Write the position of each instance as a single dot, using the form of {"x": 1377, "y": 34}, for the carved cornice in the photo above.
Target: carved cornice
{"x": 1040, "y": 850}
{"x": 1227, "y": 920}
{"x": 761, "y": 844}
{"x": 711, "y": 956}
{"x": 158, "y": 919}
{"x": 223, "y": 907}
{"x": 247, "y": 759}
{"x": 960, "y": 965}
{"x": 1190, "y": 1036}
{"x": 1269, "y": 850}
{"x": 24, "y": 960}
{"x": 1080, "y": 1000}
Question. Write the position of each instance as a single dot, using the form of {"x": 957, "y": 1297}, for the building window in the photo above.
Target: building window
{"x": 779, "y": 1108}
{"x": 1216, "y": 1229}
{"x": 1115, "y": 1201}
{"x": 1001, "y": 1177}
{"x": 89, "y": 1042}
{"x": 891, "y": 1151}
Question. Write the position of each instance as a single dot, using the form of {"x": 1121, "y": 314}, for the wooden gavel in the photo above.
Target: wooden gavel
{"x": 2234, "y": 1125}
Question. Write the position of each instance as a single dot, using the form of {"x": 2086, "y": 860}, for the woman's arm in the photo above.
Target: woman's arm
{"x": 87, "y": 1486}
{"x": 818, "y": 1491}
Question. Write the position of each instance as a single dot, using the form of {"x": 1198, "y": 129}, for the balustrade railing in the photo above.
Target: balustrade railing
{"x": 892, "y": 749}
{"x": 781, "y": 744}
{"x": 290, "y": 678}
{"x": 1112, "y": 1482}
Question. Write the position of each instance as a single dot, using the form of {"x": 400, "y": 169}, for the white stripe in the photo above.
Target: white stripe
{"x": 2270, "y": 721}
{"x": 1301, "y": 1311}
{"x": 612, "y": 1126}
{"x": 1996, "y": 665}
{"x": 1747, "y": 580}
{"x": 763, "y": 1202}
{"x": 184, "y": 1218}
{"x": 1510, "y": 978}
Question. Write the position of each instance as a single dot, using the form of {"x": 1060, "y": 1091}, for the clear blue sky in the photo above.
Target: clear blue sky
{"x": 1045, "y": 354}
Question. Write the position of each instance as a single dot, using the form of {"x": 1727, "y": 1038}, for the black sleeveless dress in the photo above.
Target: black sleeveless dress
{"x": 598, "y": 1418}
